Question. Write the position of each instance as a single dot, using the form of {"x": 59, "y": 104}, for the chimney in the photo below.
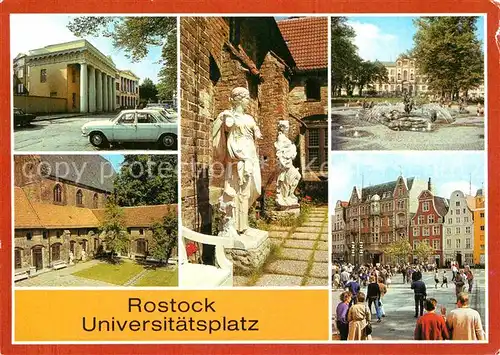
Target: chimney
{"x": 429, "y": 185}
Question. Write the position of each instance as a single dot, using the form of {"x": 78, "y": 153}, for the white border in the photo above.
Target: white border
{"x": 330, "y": 181}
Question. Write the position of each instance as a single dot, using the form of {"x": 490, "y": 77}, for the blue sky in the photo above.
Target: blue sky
{"x": 385, "y": 38}
{"x": 449, "y": 171}
{"x": 51, "y": 29}
{"x": 116, "y": 160}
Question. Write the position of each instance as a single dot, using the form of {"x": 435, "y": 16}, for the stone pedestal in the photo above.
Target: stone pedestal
{"x": 249, "y": 251}
{"x": 282, "y": 212}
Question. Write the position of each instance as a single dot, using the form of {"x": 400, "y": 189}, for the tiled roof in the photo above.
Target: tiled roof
{"x": 385, "y": 187}
{"x": 58, "y": 217}
{"x": 89, "y": 170}
{"x": 24, "y": 214}
{"x": 441, "y": 205}
{"x": 307, "y": 39}
{"x": 344, "y": 203}
{"x": 140, "y": 216}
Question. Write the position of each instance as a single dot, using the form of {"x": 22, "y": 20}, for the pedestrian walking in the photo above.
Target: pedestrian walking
{"x": 445, "y": 279}
{"x": 470, "y": 278}
{"x": 436, "y": 278}
{"x": 454, "y": 271}
{"x": 359, "y": 317}
{"x": 383, "y": 291}
{"x": 459, "y": 284}
{"x": 336, "y": 280}
{"x": 420, "y": 292}
{"x": 373, "y": 295}
{"x": 431, "y": 326}
{"x": 354, "y": 287}
{"x": 464, "y": 323}
{"x": 344, "y": 277}
{"x": 342, "y": 311}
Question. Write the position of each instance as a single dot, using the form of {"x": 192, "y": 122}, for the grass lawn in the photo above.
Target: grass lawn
{"x": 159, "y": 277}
{"x": 116, "y": 274}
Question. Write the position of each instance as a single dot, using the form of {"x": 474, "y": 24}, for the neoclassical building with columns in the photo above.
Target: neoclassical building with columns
{"x": 76, "y": 72}
{"x": 127, "y": 86}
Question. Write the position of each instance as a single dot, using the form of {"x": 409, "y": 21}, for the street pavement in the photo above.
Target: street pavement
{"x": 64, "y": 134}
{"x": 399, "y": 305}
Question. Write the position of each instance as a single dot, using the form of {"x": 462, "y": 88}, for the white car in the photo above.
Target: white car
{"x": 139, "y": 126}
{"x": 169, "y": 115}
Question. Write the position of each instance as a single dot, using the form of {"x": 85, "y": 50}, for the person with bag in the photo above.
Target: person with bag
{"x": 373, "y": 294}
{"x": 342, "y": 310}
{"x": 359, "y": 318}
{"x": 470, "y": 278}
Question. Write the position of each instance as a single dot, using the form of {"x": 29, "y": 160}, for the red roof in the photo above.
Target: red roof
{"x": 307, "y": 39}
{"x": 344, "y": 203}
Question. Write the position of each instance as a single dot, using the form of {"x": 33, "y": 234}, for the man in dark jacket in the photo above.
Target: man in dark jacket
{"x": 420, "y": 291}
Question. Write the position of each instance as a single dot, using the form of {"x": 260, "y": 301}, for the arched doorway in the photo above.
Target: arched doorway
{"x": 37, "y": 257}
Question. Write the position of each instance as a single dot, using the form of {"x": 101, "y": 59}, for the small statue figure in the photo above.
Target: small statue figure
{"x": 71, "y": 257}
{"x": 234, "y": 134}
{"x": 408, "y": 102}
{"x": 84, "y": 255}
{"x": 289, "y": 176}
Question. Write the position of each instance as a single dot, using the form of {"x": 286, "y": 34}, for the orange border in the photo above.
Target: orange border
{"x": 257, "y": 6}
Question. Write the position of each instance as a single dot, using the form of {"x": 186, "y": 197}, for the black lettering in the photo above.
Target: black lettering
{"x": 85, "y": 327}
{"x": 209, "y": 305}
{"x": 254, "y": 325}
{"x": 212, "y": 328}
{"x": 120, "y": 325}
{"x": 106, "y": 323}
{"x": 147, "y": 305}
{"x": 163, "y": 307}
{"x": 232, "y": 325}
{"x": 195, "y": 309}
{"x": 134, "y": 302}
{"x": 156, "y": 325}
{"x": 135, "y": 325}
{"x": 183, "y": 306}
{"x": 201, "y": 325}
{"x": 181, "y": 325}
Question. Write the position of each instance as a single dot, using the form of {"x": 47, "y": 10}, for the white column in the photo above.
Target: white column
{"x": 92, "y": 94}
{"x": 114, "y": 93}
{"x": 110, "y": 94}
{"x": 83, "y": 87}
{"x": 105, "y": 95}
{"x": 99, "y": 91}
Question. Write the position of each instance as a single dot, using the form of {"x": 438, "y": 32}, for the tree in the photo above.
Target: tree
{"x": 344, "y": 55}
{"x": 368, "y": 72}
{"x": 423, "y": 251}
{"x": 400, "y": 250}
{"x": 447, "y": 51}
{"x": 113, "y": 227}
{"x": 148, "y": 91}
{"x": 136, "y": 35}
{"x": 164, "y": 238}
{"x": 147, "y": 180}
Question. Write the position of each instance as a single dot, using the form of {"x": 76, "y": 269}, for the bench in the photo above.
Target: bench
{"x": 59, "y": 265}
{"x": 21, "y": 274}
{"x": 200, "y": 275}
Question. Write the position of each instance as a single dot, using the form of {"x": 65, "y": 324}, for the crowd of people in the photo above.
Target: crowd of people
{"x": 354, "y": 312}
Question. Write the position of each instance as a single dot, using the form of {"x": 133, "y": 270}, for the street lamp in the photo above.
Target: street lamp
{"x": 356, "y": 249}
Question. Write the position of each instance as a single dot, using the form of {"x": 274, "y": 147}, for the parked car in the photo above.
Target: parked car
{"x": 138, "y": 126}
{"x": 170, "y": 115}
{"x": 22, "y": 118}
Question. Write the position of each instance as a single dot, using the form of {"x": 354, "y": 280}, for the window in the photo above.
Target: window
{"x": 127, "y": 118}
{"x": 448, "y": 230}
{"x": 435, "y": 230}
{"x": 435, "y": 244}
{"x": 401, "y": 204}
{"x": 57, "y": 193}
{"x": 234, "y": 30}
{"x": 457, "y": 204}
{"x": 463, "y": 211}
{"x": 18, "y": 258}
{"x": 145, "y": 118}
{"x": 20, "y": 88}
{"x": 58, "y": 234}
{"x": 467, "y": 243}
{"x": 457, "y": 230}
{"x": 53, "y": 94}
{"x": 79, "y": 197}
{"x": 56, "y": 252}
{"x": 457, "y": 219}
{"x": 43, "y": 75}
{"x": 29, "y": 235}
{"x": 450, "y": 220}
{"x": 482, "y": 228}
{"x": 141, "y": 231}
{"x": 430, "y": 218}
{"x": 425, "y": 206}
{"x": 448, "y": 243}
{"x": 421, "y": 219}
{"x": 317, "y": 147}
{"x": 481, "y": 215}
{"x": 425, "y": 231}
{"x": 415, "y": 231}
{"x": 457, "y": 243}
{"x": 457, "y": 211}
{"x": 415, "y": 244}
{"x": 95, "y": 200}
{"x": 45, "y": 234}
{"x": 313, "y": 90}
{"x": 466, "y": 219}
{"x": 20, "y": 73}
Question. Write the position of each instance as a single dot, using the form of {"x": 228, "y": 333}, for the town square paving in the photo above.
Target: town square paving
{"x": 399, "y": 306}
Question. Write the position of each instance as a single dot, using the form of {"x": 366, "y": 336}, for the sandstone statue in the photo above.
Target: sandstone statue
{"x": 289, "y": 176}
{"x": 234, "y": 136}
{"x": 71, "y": 257}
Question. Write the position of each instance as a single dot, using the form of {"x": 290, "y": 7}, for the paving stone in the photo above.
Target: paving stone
{"x": 322, "y": 246}
{"x": 278, "y": 234}
{"x": 321, "y": 256}
{"x": 278, "y": 228}
{"x": 315, "y": 230}
{"x": 295, "y": 254}
{"x": 276, "y": 241}
{"x": 316, "y": 215}
{"x": 240, "y": 280}
{"x": 269, "y": 280}
{"x": 315, "y": 219}
{"x": 312, "y": 224}
{"x": 304, "y": 244}
{"x": 314, "y": 281}
{"x": 319, "y": 270}
{"x": 287, "y": 267}
{"x": 304, "y": 236}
